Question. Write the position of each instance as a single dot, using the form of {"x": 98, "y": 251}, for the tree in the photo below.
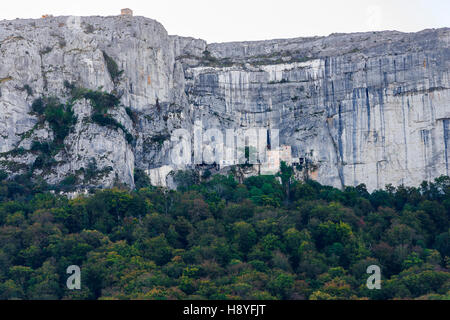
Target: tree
{"x": 220, "y": 240}
{"x": 244, "y": 235}
{"x": 286, "y": 173}
{"x": 158, "y": 249}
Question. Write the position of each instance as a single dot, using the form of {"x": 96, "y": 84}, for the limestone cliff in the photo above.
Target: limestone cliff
{"x": 367, "y": 108}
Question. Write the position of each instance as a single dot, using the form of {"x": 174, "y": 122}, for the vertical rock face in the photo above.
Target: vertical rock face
{"x": 39, "y": 56}
{"x": 367, "y": 108}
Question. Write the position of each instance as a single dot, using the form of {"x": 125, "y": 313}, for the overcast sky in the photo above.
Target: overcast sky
{"x": 237, "y": 20}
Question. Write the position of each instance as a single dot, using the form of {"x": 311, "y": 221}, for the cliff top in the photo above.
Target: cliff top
{"x": 316, "y": 46}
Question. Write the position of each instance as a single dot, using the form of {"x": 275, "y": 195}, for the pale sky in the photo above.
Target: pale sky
{"x": 238, "y": 20}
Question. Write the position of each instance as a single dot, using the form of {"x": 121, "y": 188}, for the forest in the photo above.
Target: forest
{"x": 270, "y": 237}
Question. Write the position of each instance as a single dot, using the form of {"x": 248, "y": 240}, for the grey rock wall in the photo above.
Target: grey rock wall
{"x": 367, "y": 108}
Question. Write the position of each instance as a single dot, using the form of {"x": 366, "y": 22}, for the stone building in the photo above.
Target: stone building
{"x": 126, "y": 12}
{"x": 274, "y": 158}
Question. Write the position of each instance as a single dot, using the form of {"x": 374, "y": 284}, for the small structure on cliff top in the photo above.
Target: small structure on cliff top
{"x": 126, "y": 12}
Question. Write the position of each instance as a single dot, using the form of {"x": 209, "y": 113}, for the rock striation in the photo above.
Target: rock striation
{"x": 370, "y": 108}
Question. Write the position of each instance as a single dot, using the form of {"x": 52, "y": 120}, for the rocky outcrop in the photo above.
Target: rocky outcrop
{"x": 367, "y": 108}
{"x": 40, "y": 56}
